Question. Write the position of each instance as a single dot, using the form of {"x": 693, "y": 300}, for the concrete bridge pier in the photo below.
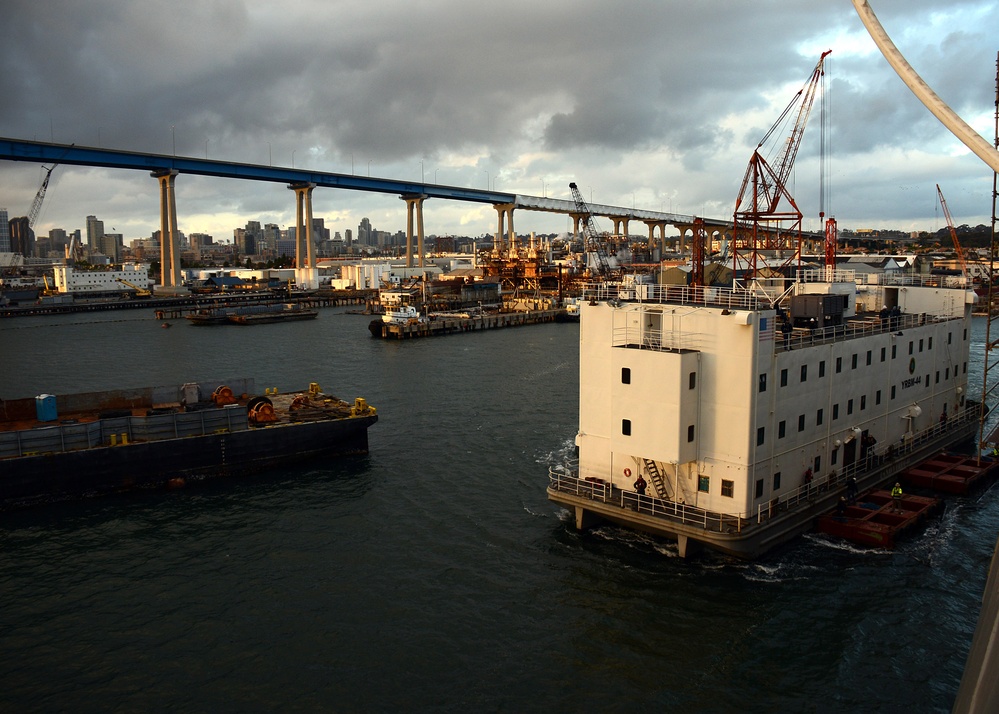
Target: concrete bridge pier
{"x": 504, "y": 211}
{"x": 414, "y": 204}
{"x": 170, "y": 280}
{"x": 306, "y": 272}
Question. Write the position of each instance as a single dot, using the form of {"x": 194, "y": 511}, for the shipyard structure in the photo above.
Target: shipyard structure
{"x": 713, "y": 416}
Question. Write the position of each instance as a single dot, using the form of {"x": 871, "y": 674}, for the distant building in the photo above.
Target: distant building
{"x": 95, "y": 229}
{"x": 4, "y": 231}
{"x": 70, "y": 280}
{"x": 22, "y": 238}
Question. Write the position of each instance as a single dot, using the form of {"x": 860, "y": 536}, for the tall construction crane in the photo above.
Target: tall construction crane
{"x": 953, "y": 234}
{"x": 36, "y": 205}
{"x": 591, "y": 240}
{"x": 766, "y": 215}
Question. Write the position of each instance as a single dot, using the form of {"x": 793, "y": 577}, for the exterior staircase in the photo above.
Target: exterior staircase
{"x": 661, "y": 485}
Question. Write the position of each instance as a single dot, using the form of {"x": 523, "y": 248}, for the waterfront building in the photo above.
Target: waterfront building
{"x": 70, "y": 280}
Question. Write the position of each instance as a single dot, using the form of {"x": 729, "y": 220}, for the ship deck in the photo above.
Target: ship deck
{"x": 750, "y": 535}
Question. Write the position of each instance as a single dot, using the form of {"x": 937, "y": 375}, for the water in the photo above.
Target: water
{"x": 433, "y": 574}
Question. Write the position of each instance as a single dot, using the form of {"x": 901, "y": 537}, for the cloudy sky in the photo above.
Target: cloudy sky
{"x": 656, "y": 104}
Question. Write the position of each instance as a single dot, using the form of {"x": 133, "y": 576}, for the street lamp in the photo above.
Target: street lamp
{"x": 351, "y": 163}
{"x": 173, "y": 136}
{"x": 423, "y": 178}
{"x": 369, "y": 167}
{"x": 487, "y": 179}
{"x": 293, "y": 158}
{"x": 544, "y": 189}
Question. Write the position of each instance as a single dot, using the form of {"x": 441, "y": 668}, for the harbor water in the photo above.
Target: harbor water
{"x": 433, "y": 575}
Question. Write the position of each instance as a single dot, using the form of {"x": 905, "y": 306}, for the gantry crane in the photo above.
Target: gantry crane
{"x": 953, "y": 234}
{"x": 766, "y": 215}
{"x": 591, "y": 240}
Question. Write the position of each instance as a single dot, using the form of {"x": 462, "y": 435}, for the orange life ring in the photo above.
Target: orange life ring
{"x": 627, "y": 473}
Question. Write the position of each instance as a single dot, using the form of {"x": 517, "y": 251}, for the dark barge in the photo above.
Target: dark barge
{"x": 59, "y": 447}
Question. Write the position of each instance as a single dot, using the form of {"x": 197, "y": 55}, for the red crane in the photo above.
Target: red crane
{"x": 766, "y": 215}
{"x": 953, "y": 234}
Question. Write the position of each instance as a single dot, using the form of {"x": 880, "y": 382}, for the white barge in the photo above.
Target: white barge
{"x": 745, "y": 432}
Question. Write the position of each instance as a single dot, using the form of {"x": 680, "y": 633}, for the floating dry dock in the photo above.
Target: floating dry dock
{"x": 447, "y": 325}
{"x": 873, "y": 519}
{"x": 950, "y": 473}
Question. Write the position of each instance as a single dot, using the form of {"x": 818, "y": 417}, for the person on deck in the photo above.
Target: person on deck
{"x": 640, "y": 485}
{"x": 896, "y": 497}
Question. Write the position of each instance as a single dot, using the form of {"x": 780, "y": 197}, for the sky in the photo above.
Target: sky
{"x": 652, "y": 104}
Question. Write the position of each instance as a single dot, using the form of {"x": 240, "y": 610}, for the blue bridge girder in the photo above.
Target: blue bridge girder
{"x": 45, "y": 152}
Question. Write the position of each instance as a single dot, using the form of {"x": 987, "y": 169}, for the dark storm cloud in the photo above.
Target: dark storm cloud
{"x": 521, "y": 92}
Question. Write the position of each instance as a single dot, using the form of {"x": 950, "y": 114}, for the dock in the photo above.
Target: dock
{"x": 873, "y": 520}
{"x": 443, "y": 325}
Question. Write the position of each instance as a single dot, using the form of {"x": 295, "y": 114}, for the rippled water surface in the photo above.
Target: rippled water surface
{"x": 433, "y": 574}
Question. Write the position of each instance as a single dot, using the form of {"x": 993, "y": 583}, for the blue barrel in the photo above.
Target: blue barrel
{"x": 45, "y": 407}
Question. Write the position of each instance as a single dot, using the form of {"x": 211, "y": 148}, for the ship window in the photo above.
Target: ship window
{"x": 690, "y": 433}
{"x": 625, "y": 375}
{"x": 927, "y": 381}
{"x": 868, "y": 358}
{"x": 783, "y": 378}
{"x": 893, "y": 391}
{"x": 937, "y": 380}
{"x": 692, "y": 380}
{"x": 776, "y": 480}
{"x": 894, "y": 351}
{"x": 853, "y": 361}
{"x": 965, "y": 367}
{"x": 910, "y": 347}
{"x": 822, "y": 369}
{"x": 833, "y": 457}
{"x": 920, "y": 345}
{"x": 877, "y": 397}
{"x": 763, "y": 382}
{"x": 818, "y": 418}
{"x": 728, "y": 488}
{"x": 703, "y": 483}
{"x": 947, "y": 376}
{"x": 950, "y": 337}
{"x": 759, "y": 488}
{"x": 801, "y": 422}
{"x": 835, "y": 412}
{"x": 761, "y": 435}
{"x": 804, "y": 373}
{"x": 626, "y": 427}
{"x": 839, "y": 365}
{"x": 882, "y": 354}
{"x": 849, "y": 406}
{"x": 929, "y": 343}
{"x": 818, "y": 464}
{"x": 863, "y": 402}
{"x": 965, "y": 334}
{"x": 781, "y": 429}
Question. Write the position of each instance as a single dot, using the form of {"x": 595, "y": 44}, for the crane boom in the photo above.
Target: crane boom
{"x": 36, "y": 205}
{"x": 591, "y": 240}
{"x": 953, "y": 233}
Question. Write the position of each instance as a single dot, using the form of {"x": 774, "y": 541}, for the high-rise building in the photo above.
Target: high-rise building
{"x": 95, "y": 229}
{"x": 22, "y": 238}
{"x": 4, "y": 231}
{"x": 364, "y": 232}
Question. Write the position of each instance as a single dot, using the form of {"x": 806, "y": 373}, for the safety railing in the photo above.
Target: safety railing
{"x": 116, "y": 431}
{"x": 701, "y": 296}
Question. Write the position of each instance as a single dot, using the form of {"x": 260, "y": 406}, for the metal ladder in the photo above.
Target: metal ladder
{"x": 657, "y": 480}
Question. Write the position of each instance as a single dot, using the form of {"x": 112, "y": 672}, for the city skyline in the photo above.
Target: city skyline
{"x": 654, "y": 105}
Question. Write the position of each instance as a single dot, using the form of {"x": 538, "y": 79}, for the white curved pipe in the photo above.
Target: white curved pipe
{"x": 968, "y": 136}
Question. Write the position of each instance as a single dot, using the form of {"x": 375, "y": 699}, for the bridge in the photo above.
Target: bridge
{"x": 303, "y": 181}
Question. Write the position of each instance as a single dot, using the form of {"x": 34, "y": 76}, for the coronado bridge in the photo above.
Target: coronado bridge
{"x": 303, "y": 181}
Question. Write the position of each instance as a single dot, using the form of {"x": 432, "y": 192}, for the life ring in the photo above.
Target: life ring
{"x": 627, "y": 473}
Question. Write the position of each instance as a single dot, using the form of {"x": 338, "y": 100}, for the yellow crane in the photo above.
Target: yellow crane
{"x": 139, "y": 292}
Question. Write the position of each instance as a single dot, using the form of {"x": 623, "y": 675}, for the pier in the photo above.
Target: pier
{"x": 444, "y": 325}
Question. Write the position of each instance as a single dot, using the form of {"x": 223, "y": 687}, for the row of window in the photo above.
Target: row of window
{"x": 728, "y": 486}
{"x": 626, "y": 378}
{"x": 626, "y": 430}
{"x": 855, "y": 361}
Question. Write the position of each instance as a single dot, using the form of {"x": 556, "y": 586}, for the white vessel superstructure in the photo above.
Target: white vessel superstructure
{"x": 743, "y": 430}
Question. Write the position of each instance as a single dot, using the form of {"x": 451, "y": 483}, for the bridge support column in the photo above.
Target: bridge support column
{"x": 414, "y": 204}
{"x": 504, "y": 211}
{"x": 306, "y": 272}
{"x": 170, "y": 280}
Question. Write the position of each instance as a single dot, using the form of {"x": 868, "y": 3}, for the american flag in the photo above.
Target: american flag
{"x": 766, "y": 329}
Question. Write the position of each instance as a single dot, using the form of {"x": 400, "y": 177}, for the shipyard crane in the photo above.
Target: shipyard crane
{"x": 36, "y": 205}
{"x": 962, "y": 261}
{"x": 766, "y": 216}
{"x": 591, "y": 240}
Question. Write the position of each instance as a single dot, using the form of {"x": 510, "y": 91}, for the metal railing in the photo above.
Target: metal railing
{"x": 893, "y": 457}
{"x": 699, "y": 296}
{"x": 855, "y": 328}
